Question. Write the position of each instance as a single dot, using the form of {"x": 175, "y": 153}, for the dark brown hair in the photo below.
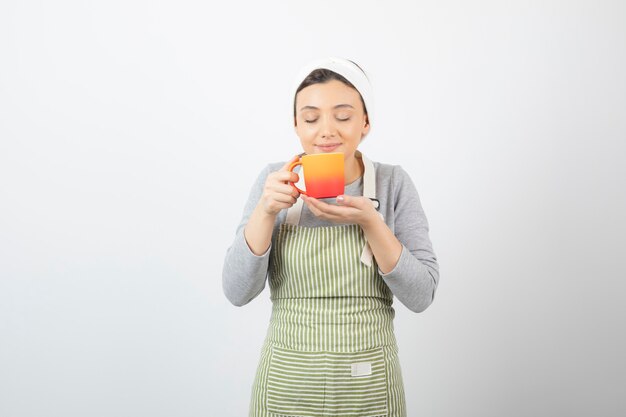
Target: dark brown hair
{"x": 320, "y": 76}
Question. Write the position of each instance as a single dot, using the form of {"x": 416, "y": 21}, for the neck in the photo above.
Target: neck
{"x": 353, "y": 169}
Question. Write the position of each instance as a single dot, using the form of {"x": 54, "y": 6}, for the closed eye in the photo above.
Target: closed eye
{"x": 315, "y": 120}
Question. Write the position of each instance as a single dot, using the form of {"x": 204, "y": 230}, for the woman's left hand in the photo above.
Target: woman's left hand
{"x": 350, "y": 209}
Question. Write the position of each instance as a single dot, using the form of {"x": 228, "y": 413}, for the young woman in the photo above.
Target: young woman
{"x": 333, "y": 265}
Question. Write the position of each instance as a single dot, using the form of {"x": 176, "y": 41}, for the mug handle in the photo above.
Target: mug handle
{"x": 291, "y": 167}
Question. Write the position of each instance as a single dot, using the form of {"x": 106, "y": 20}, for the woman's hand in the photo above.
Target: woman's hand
{"x": 351, "y": 209}
{"x": 386, "y": 248}
{"x": 278, "y": 194}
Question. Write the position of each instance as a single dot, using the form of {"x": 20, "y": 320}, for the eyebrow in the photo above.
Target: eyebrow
{"x": 316, "y": 108}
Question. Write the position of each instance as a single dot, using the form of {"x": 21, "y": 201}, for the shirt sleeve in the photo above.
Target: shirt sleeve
{"x": 244, "y": 273}
{"x": 415, "y": 277}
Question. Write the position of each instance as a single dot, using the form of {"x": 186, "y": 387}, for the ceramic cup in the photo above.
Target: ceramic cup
{"x": 323, "y": 174}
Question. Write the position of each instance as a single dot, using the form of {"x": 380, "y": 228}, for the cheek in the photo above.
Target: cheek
{"x": 306, "y": 132}
{"x": 353, "y": 129}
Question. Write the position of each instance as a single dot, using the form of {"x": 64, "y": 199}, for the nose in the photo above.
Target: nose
{"x": 328, "y": 129}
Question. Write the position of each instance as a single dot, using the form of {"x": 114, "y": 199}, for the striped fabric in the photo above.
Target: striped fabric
{"x": 330, "y": 349}
{"x": 305, "y": 384}
{"x": 319, "y": 262}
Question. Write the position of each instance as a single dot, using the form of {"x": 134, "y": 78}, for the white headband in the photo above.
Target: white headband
{"x": 345, "y": 68}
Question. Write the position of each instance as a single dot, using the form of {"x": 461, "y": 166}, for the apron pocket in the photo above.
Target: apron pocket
{"x": 302, "y": 383}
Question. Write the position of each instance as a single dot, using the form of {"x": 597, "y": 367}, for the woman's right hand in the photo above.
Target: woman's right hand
{"x": 278, "y": 194}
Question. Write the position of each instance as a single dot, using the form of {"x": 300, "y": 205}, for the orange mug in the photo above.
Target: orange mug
{"x": 323, "y": 174}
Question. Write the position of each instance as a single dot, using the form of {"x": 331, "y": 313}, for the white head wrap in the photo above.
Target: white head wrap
{"x": 349, "y": 70}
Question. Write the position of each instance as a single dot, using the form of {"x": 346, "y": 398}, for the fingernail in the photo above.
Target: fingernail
{"x": 339, "y": 198}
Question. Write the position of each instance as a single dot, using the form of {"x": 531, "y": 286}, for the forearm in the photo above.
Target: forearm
{"x": 412, "y": 281}
{"x": 247, "y": 260}
{"x": 258, "y": 231}
{"x": 386, "y": 248}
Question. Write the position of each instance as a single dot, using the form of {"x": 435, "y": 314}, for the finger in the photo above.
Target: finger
{"x": 283, "y": 198}
{"x": 283, "y": 188}
{"x": 312, "y": 207}
{"x": 333, "y": 211}
{"x": 285, "y": 176}
{"x": 352, "y": 201}
{"x": 321, "y": 214}
{"x": 291, "y": 161}
{"x": 319, "y": 207}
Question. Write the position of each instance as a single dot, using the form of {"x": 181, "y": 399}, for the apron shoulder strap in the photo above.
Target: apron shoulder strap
{"x": 294, "y": 212}
{"x": 369, "y": 178}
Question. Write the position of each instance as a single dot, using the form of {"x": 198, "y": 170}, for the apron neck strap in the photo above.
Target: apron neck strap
{"x": 369, "y": 189}
{"x": 369, "y": 177}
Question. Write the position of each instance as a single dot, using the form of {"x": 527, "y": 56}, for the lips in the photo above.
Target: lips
{"x": 328, "y": 147}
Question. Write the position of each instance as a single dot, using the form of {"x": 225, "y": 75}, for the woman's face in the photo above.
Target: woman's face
{"x": 330, "y": 118}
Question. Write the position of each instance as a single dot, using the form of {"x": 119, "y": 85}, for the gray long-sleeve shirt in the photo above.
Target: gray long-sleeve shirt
{"x": 413, "y": 280}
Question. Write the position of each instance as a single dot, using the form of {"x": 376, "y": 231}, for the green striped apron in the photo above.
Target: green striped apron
{"x": 330, "y": 349}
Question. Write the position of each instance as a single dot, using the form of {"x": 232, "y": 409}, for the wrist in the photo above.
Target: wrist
{"x": 263, "y": 214}
{"x": 372, "y": 221}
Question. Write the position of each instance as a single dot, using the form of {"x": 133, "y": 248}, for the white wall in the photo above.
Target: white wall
{"x": 131, "y": 132}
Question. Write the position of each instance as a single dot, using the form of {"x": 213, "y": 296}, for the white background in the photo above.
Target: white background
{"x": 131, "y": 132}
